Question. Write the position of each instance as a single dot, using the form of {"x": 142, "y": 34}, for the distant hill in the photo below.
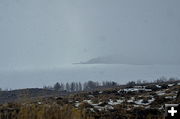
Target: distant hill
{"x": 25, "y": 94}
{"x": 121, "y": 59}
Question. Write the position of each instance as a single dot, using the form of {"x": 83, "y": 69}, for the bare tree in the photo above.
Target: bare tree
{"x": 62, "y": 87}
{"x": 73, "y": 87}
{"x": 57, "y": 86}
{"x": 68, "y": 87}
{"x": 80, "y": 86}
{"x": 90, "y": 85}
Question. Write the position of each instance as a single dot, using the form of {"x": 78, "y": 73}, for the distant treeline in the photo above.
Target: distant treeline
{"x": 78, "y": 86}
{"x": 92, "y": 85}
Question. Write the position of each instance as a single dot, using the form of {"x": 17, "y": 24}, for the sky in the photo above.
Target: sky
{"x": 45, "y": 33}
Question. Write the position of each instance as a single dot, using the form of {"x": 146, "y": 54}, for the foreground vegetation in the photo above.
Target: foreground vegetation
{"x": 132, "y": 101}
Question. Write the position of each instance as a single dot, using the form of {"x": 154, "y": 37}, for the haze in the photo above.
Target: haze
{"x": 45, "y": 34}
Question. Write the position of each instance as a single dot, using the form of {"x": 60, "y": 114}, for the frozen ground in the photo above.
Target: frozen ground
{"x": 121, "y": 73}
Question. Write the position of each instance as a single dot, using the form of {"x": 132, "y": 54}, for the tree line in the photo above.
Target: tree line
{"x": 92, "y": 85}
{"x": 78, "y": 86}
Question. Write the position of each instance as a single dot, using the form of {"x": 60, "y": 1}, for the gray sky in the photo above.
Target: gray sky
{"x": 46, "y": 33}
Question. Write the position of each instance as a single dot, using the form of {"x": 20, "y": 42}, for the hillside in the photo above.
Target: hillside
{"x": 27, "y": 94}
{"x": 129, "y": 102}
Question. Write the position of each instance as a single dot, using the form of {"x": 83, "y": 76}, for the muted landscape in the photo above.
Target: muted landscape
{"x": 135, "y": 100}
{"x": 120, "y": 73}
{"x": 89, "y": 59}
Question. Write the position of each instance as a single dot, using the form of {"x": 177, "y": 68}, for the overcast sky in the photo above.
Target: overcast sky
{"x": 49, "y": 33}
